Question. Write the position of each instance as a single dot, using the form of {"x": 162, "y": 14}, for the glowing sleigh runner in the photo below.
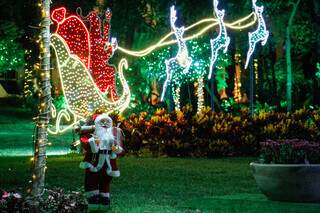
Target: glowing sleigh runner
{"x": 79, "y": 89}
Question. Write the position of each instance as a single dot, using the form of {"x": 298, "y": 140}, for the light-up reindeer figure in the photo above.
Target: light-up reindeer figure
{"x": 261, "y": 34}
{"x": 182, "y": 58}
{"x": 221, "y": 41}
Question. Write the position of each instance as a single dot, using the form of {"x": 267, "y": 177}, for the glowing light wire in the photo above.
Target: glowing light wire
{"x": 261, "y": 34}
{"x": 78, "y": 87}
{"x": 200, "y": 94}
{"x": 182, "y": 58}
{"x": 221, "y": 41}
{"x": 236, "y": 25}
{"x": 63, "y": 114}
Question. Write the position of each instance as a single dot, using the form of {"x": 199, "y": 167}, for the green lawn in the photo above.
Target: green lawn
{"x": 162, "y": 184}
{"x": 17, "y": 129}
{"x": 146, "y": 184}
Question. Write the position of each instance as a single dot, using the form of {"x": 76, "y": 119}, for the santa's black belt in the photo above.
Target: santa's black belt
{"x": 105, "y": 151}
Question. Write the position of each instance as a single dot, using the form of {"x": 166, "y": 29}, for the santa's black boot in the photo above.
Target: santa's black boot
{"x": 105, "y": 201}
{"x": 93, "y": 199}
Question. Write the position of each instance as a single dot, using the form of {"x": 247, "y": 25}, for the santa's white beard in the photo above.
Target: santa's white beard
{"x": 105, "y": 136}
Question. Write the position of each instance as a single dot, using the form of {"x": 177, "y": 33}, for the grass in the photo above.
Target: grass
{"x": 146, "y": 184}
{"x": 16, "y": 134}
{"x": 161, "y": 184}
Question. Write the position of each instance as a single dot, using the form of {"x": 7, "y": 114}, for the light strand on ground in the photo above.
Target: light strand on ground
{"x": 221, "y": 41}
{"x": 261, "y": 34}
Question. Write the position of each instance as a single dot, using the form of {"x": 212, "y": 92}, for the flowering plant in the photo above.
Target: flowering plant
{"x": 57, "y": 200}
{"x": 54, "y": 200}
{"x": 10, "y": 201}
{"x": 207, "y": 133}
{"x": 293, "y": 151}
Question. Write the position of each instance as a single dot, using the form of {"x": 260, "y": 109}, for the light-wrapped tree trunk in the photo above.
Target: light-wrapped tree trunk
{"x": 41, "y": 137}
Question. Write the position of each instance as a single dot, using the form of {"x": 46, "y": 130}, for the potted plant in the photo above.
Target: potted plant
{"x": 289, "y": 170}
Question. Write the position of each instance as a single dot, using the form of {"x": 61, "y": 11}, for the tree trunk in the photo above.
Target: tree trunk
{"x": 41, "y": 137}
{"x": 316, "y": 92}
{"x": 288, "y": 57}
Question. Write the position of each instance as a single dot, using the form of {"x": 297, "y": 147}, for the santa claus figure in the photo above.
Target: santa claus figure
{"x": 101, "y": 143}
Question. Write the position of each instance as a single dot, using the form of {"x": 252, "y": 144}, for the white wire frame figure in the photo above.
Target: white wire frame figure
{"x": 222, "y": 41}
{"x": 181, "y": 60}
{"x": 261, "y": 34}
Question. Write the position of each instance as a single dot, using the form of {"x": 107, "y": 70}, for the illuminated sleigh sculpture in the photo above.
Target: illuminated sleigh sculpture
{"x": 78, "y": 104}
{"x": 75, "y": 77}
{"x": 76, "y": 49}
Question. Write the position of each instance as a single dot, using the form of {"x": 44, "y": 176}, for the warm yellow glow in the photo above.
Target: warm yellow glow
{"x": 236, "y": 25}
{"x": 237, "y": 79}
{"x": 64, "y": 114}
{"x": 176, "y": 98}
{"x": 81, "y": 94}
{"x": 200, "y": 94}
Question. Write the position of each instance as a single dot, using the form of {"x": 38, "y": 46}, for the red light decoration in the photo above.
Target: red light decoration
{"x": 74, "y": 32}
{"x": 101, "y": 52}
{"x": 91, "y": 46}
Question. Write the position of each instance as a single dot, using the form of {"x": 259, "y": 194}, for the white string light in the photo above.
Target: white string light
{"x": 221, "y": 41}
{"x": 79, "y": 89}
{"x": 200, "y": 94}
{"x": 261, "y": 34}
{"x": 182, "y": 58}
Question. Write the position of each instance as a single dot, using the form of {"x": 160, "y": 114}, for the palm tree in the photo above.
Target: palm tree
{"x": 288, "y": 55}
{"x": 41, "y": 137}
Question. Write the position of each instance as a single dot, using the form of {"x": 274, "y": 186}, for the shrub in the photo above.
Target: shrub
{"x": 210, "y": 134}
{"x": 54, "y": 200}
{"x": 293, "y": 151}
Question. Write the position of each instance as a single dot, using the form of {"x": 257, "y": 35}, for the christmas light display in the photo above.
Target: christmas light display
{"x": 223, "y": 61}
{"x": 182, "y": 58}
{"x": 91, "y": 46}
{"x": 28, "y": 77}
{"x": 221, "y": 41}
{"x": 74, "y": 32}
{"x": 63, "y": 115}
{"x": 11, "y": 52}
{"x": 101, "y": 51}
{"x": 240, "y": 24}
{"x": 79, "y": 89}
{"x": 261, "y": 34}
{"x": 199, "y": 85}
{"x": 237, "y": 79}
{"x": 256, "y": 71}
{"x": 176, "y": 97}
{"x": 153, "y": 66}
